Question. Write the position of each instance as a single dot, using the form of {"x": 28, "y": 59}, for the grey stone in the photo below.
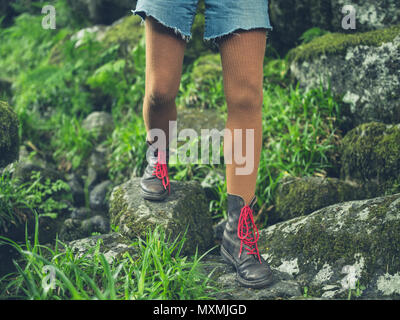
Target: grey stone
{"x": 112, "y": 245}
{"x": 98, "y": 161}
{"x": 99, "y": 31}
{"x": 74, "y": 229}
{"x": 339, "y": 247}
{"x": 224, "y": 277}
{"x": 185, "y": 209}
{"x": 301, "y": 196}
{"x": 97, "y": 167}
{"x": 100, "y": 123}
{"x": 367, "y": 76}
{"x": 80, "y": 213}
{"x": 98, "y": 196}
{"x": 370, "y": 14}
{"x": 291, "y": 18}
{"x": 76, "y": 185}
{"x": 96, "y": 223}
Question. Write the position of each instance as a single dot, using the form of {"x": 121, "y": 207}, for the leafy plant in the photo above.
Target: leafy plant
{"x": 72, "y": 144}
{"x": 19, "y": 200}
{"x": 311, "y": 34}
{"x": 157, "y": 272}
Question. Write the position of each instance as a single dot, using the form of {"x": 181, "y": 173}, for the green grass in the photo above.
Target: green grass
{"x": 19, "y": 201}
{"x": 72, "y": 144}
{"x": 158, "y": 271}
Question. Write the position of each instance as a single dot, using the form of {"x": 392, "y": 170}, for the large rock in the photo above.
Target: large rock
{"x": 112, "y": 245}
{"x": 292, "y": 18}
{"x": 126, "y": 32}
{"x": 99, "y": 123}
{"x": 340, "y": 248}
{"x": 364, "y": 67}
{"x": 301, "y": 196}
{"x": 101, "y": 11}
{"x": 73, "y": 229}
{"x": 9, "y": 139}
{"x": 370, "y": 155}
{"x": 370, "y": 14}
{"x": 283, "y": 286}
{"x": 185, "y": 209}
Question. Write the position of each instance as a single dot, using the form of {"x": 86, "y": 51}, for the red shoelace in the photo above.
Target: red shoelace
{"x": 161, "y": 170}
{"x": 248, "y": 232}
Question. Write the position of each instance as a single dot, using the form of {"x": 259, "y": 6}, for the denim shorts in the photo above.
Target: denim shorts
{"x": 222, "y": 17}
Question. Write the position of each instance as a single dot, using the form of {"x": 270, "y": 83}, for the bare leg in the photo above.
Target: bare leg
{"x": 164, "y": 58}
{"x": 242, "y": 59}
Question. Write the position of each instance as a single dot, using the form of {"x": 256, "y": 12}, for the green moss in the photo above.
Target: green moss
{"x": 9, "y": 139}
{"x": 302, "y": 196}
{"x": 370, "y": 152}
{"x": 374, "y": 238}
{"x": 188, "y": 214}
{"x": 127, "y": 33}
{"x": 337, "y": 43}
{"x": 118, "y": 206}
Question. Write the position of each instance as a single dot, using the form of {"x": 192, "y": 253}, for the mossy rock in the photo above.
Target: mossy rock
{"x": 9, "y": 138}
{"x": 371, "y": 153}
{"x": 113, "y": 245}
{"x": 301, "y": 196}
{"x": 338, "y": 43}
{"x": 126, "y": 32}
{"x": 363, "y": 69}
{"x": 292, "y": 18}
{"x": 336, "y": 247}
{"x": 205, "y": 75}
{"x": 184, "y": 210}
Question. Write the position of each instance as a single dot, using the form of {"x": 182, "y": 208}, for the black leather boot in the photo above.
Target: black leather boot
{"x": 239, "y": 245}
{"x": 155, "y": 181}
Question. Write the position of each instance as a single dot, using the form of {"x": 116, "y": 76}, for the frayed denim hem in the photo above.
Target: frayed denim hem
{"x": 215, "y": 39}
{"x": 143, "y": 14}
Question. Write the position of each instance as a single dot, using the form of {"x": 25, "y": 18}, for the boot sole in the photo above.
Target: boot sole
{"x": 246, "y": 283}
{"x": 154, "y": 197}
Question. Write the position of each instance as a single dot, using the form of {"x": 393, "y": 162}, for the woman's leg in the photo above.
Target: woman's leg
{"x": 164, "y": 58}
{"x": 242, "y": 57}
{"x": 242, "y": 61}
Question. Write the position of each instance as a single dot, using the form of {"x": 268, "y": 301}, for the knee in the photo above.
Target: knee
{"x": 160, "y": 97}
{"x": 245, "y": 100}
